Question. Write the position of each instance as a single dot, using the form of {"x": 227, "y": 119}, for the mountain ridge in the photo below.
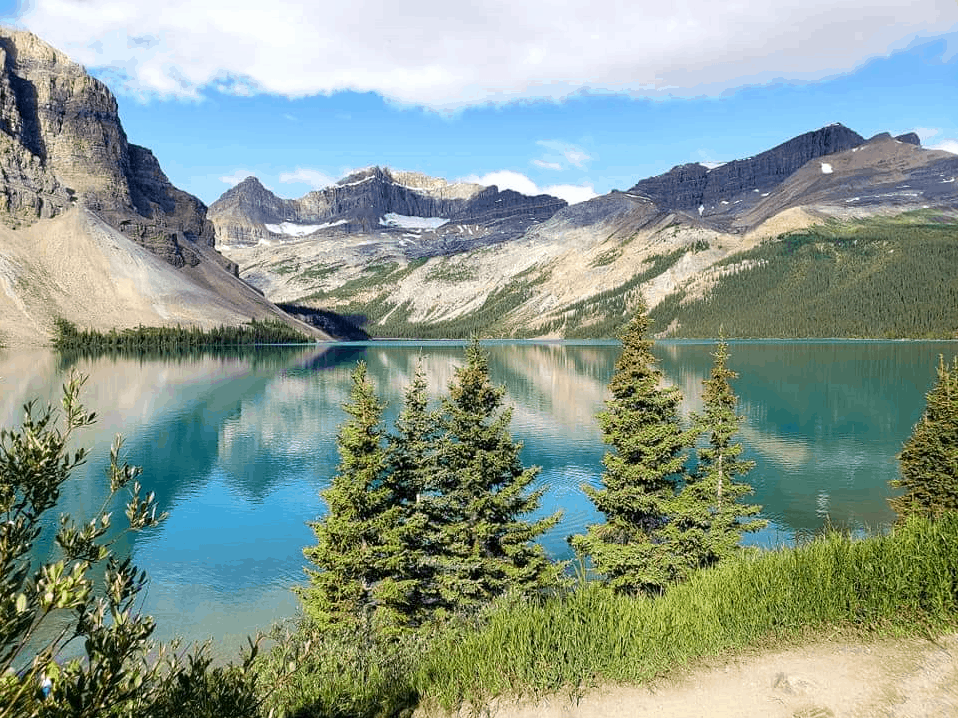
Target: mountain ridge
{"x": 579, "y": 272}
{"x": 64, "y": 154}
{"x": 249, "y": 213}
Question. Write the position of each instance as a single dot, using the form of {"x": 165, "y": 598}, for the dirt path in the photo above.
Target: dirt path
{"x": 890, "y": 678}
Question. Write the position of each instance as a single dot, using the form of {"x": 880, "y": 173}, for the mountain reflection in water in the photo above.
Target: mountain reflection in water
{"x": 238, "y": 446}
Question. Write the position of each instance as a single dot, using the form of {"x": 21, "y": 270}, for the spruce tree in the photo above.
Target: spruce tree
{"x": 349, "y": 551}
{"x": 642, "y": 472}
{"x": 408, "y": 592}
{"x": 482, "y": 496}
{"x": 929, "y": 459}
{"x": 709, "y": 520}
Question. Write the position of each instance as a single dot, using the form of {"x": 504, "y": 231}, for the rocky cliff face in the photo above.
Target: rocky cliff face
{"x": 884, "y": 175}
{"x": 458, "y": 214}
{"x": 720, "y": 193}
{"x": 61, "y": 144}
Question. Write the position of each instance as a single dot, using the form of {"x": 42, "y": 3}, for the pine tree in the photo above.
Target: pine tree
{"x": 929, "y": 459}
{"x": 709, "y": 520}
{"x": 642, "y": 473}
{"x": 408, "y": 592}
{"x": 349, "y": 551}
{"x": 482, "y": 496}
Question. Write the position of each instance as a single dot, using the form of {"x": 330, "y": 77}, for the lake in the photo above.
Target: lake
{"x": 238, "y": 447}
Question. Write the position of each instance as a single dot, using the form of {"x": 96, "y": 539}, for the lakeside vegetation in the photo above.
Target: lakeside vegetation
{"x": 427, "y": 588}
{"x": 67, "y": 337}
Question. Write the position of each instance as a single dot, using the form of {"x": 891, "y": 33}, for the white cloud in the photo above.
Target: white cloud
{"x": 947, "y": 146}
{"x": 547, "y": 165}
{"x": 575, "y": 156}
{"x": 926, "y": 133}
{"x": 426, "y": 54}
{"x": 314, "y": 178}
{"x": 235, "y": 177}
{"x": 507, "y": 179}
{"x": 571, "y": 193}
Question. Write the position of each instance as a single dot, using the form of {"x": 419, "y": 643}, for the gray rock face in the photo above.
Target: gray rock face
{"x": 882, "y": 175}
{"x": 741, "y": 182}
{"x": 831, "y": 167}
{"x": 910, "y": 137}
{"x": 603, "y": 209}
{"x": 61, "y": 143}
{"x": 361, "y": 202}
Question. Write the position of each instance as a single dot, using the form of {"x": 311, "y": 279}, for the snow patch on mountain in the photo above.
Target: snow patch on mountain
{"x": 391, "y": 219}
{"x": 291, "y": 229}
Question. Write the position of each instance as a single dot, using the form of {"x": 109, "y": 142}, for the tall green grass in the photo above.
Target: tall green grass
{"x": 902, "y": 582}
{"x": 344, "y": 673}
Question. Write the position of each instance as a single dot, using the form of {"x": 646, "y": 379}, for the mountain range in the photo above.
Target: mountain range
{"x": 92, "y": 230}
{"x": 420, "y": 214}
{"x": 406, "y": 255}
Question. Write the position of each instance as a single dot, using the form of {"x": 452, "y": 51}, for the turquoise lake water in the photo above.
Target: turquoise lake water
{"x": 237, "y": 448}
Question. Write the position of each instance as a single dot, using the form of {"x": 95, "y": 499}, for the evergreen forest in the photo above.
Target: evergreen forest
{"x": 68, "y": 338}
{"x": 883, "y": 278}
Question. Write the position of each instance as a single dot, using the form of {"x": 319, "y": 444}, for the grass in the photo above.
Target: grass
{"x": 606, "y": 258}
{"x": 286, "y": 267}
{"x": 343, "y": 673}
{"x": 318, "y": 271}
{"x": 372, "y": 277}
{"x": 904, "y": 582}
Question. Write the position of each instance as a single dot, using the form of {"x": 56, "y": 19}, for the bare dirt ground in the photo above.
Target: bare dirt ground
{"x": 887, "y": 678}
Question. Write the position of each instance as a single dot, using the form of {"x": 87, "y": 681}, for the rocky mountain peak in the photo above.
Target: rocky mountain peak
{"x": 248, "y": 184}
{"x": 910, "y": 138}
{"x": 62, "y": 144}
{"x": 248, "y": 190}
{"x": 719, "y": 192}
{"x": 365, "y": 173}
{"x": 382, "y": 202}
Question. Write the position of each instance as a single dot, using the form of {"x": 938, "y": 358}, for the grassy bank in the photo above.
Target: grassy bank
{"x": 904, "y": 582}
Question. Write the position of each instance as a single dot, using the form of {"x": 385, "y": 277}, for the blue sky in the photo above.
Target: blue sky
{"x": 573, "y": 98}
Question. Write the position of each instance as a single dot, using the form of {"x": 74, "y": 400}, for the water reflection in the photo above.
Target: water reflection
{"x": 238, "y": 447}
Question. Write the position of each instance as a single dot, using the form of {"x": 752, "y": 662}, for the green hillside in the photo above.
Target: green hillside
{"x": 881, "y": 277}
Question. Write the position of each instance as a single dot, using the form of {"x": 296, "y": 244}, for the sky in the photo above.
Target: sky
{"x": 570, "y": 98}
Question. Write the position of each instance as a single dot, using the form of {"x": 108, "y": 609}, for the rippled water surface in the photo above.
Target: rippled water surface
{"x": 237, "y": 448}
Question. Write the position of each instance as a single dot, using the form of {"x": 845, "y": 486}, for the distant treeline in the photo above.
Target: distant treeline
{"x": 68, "y": 338}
